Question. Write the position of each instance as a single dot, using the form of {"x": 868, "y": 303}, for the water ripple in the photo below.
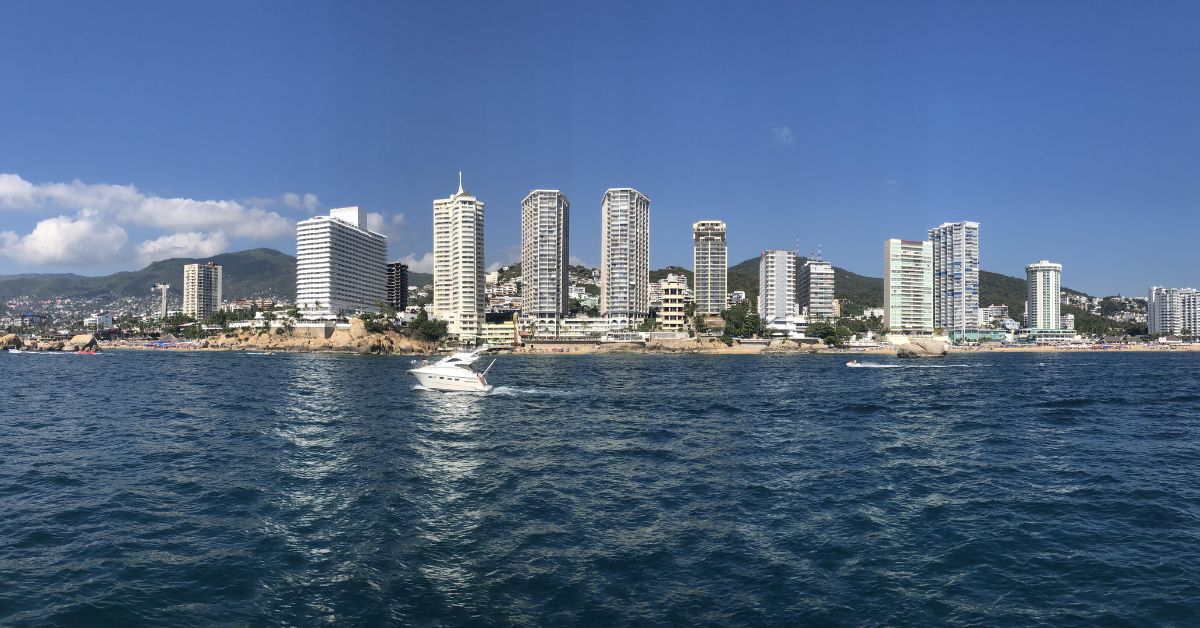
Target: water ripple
{"x": 182, "y": 489}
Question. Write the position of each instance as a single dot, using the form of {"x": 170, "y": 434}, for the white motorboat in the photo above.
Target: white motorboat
{"x": 454, "y": 373}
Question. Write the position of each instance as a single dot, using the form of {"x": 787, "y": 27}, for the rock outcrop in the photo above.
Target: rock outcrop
{"x": 922, "y": 348}
{"x": 10, "y": 341}
{"x": 81, "y": 342}
{"x": 356, "y": 339}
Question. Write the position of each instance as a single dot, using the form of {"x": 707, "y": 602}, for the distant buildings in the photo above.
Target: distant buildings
{"x": 671, "y": 315}
{"x": 955, "y": 247}
{"x": 816, "y": 289}
{"x": 777, "y": 290}
{"x": 1173, "y": 311}
{"x": 341, "y": 266}
{"x": 624, "y": 257}
{"x": 992, "y": 313}
{"x": 1067, "y": 321}
{"x": 1043, "y": 305}
{"x": 397, "y": 285}
{"x": 710, "y": 265}
{"x": 736, "y": 297}
{"x": 908, "y": 286}
{"x": 101, "y": 320}
{"x": 201, "y": 289}
{"x": 544, "y": 259}
{"x": 458, "y": 290}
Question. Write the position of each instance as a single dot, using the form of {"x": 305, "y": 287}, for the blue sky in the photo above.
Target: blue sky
{"x": 1070, "y": 130}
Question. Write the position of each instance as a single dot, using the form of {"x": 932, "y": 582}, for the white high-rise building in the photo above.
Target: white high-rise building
{"x": 458, "y": 287}
{"x": 624, "y": 257}
{"x": 545, "y": 259}
{"x": 1173, "y": 311}
{"x": 816, "y": 289}
{"x": 201, "y": 290}
{"x": 955, "y": 276}
{"x": 908, "y": 286}
{"x": 710, "y": 265}
{"x": 1043, "y": 305}
{"x": 776, "y": 285}
{"x": 341, "y": 266}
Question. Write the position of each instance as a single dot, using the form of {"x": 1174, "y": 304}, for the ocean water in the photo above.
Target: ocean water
{"x": 141, "y": 488}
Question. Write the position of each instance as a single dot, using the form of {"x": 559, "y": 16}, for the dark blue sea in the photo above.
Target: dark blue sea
{"x": 183, "y": 489}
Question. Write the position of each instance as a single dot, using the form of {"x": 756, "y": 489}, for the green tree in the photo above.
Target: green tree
{"x": 426, "y": 329}
{"x": 741, "y": 322}
{"x": 825, "y": 331}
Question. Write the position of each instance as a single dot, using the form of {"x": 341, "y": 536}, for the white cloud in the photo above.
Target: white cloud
{"x": 377, "y": 223}
{"x": 125, "y": 204}
{"x": 228, "y": 216}
{"x": 783, "y": 135}
{"x": 84, "y": 239}
{"x": 296, "y": 201}
{"x": 578, "y": 261}
{"x": 15, "y": 192}
{"x": 390, "y": 227}
{"x": 190, "y": 244}
{"x": 91, "y": 222}
{"x": 423, "y": 264}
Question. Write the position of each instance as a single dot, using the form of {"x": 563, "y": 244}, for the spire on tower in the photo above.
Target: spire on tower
{"x": 460, "y": 190}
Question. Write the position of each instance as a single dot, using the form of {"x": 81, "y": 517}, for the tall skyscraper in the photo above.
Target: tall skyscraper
{"x": 776, "y": 286}
{"x": 545, "y": 259}
{"x": 710, "y": 265}
{"x": 955, "y": 276}
{"x": 1043, "y": 305}
{"x": 397, "y": 285}
{"x": 201, "y": 289}
{"x": 1173, "y": 311}
{"x": 624, "y": 257}
{"x": 341, "y": 266}
{"x": 816, "y": 289}
{"x": 458, "y": 291}
{"x": 908, "y": 286}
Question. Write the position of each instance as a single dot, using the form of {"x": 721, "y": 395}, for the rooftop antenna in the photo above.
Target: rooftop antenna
{"x": 816, "y": 255}
{"x": 460, "y": 190}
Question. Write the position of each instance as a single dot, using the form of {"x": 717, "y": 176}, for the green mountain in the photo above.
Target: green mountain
{"x": 245, "y": 274}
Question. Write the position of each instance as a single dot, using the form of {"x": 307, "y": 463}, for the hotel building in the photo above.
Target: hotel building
{"x": 1043, "y": 304}
{"x": 201, "y": 290}
{"x": 544, "y": 259}
{"x": 397, "y": 285}
{"x": 710, "y": 265}
{"x": 671, "y": 315}
{"x": 1173, "y": 311}
{"x": 955, "y": 276}
{"x": 816, "y": 289}
{"x": 458, "y": 287}
{"x": 908, "y": 286}
{"x": 624, "y": 257}
{"x": 341, "y": 266}
{"x": 777, "y": 289}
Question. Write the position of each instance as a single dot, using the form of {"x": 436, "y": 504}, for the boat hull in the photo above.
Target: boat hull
{"x": 439, "y": 379}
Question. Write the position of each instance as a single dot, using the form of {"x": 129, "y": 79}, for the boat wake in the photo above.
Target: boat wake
{"x": 449, "y": 392}
{"x": 875, "y": 365}
{"x": 513, "y": 391}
